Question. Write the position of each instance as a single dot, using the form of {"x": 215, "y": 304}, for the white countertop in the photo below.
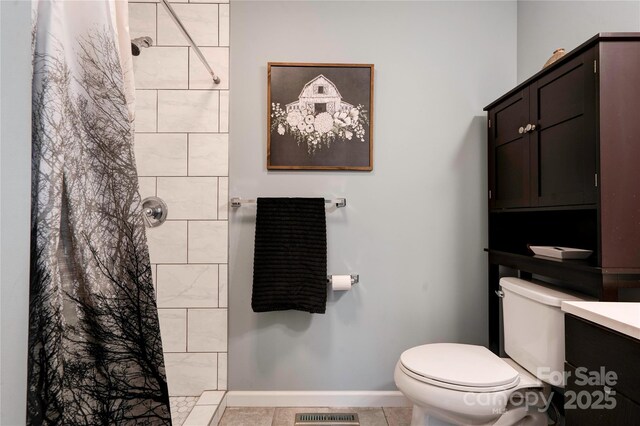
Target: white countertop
{"x": 623, "y": 317}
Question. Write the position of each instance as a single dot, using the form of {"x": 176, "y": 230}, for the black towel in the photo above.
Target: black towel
{"x": 290, "y": 259}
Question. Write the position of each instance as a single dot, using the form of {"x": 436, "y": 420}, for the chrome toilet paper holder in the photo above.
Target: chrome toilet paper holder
{"x": 355, "y": 279}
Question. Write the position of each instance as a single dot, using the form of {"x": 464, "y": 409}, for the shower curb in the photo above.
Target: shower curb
{"x": 207, "y": 411}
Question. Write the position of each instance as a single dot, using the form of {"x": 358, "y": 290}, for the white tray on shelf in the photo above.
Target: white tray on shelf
{"x": 561, "y": 252}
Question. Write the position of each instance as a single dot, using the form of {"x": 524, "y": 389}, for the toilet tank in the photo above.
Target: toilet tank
{"x": 534, "y": 327}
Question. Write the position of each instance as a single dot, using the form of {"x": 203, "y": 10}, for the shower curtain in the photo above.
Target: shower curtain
{"x": 95, "y": 354}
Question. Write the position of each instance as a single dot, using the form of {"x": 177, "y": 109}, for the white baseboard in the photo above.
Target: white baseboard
{"x": 317, "y": 399}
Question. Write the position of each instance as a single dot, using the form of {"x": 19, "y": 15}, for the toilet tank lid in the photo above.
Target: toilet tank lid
{"x": 539, "y": 293}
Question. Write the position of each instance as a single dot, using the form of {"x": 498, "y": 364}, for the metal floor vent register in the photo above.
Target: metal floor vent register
{"x": 327, "y": 419}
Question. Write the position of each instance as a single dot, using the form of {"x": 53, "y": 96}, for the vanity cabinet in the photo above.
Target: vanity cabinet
{"x": 603, "y": 375}
{"x": 564, "y": 170}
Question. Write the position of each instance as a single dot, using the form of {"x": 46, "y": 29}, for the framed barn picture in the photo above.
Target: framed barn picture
{"x": 320, "y": 116}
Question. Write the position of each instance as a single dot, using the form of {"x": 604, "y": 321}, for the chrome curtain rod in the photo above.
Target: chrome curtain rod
{"x": 337, "y": 202}
{"x": 193, "y": 44}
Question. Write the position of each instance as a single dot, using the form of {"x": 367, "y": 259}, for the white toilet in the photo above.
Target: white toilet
{"x": 470, "y": 385}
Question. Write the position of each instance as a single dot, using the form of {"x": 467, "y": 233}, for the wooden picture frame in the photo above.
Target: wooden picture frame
{"x": 319, "y": 116}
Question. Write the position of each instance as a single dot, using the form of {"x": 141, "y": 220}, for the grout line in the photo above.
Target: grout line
{"x": 157, "y": 109}
{"x": 386, "y": 419}
{"x": 174, "y": 132}
{"x": 217, "y": 370}
{"x": 188, "y": 145}
{"x": 182, "y": 176}
{"x": 188, "y": 68}
{"x": 162, "y": 133}
{"x": 210, "y": 263}
{"x": 186, "y": 330}
{"x": 182, "y": 308}
{"x": 173, "y": 308}
{"x": 198, "y": 89}
{"x": 186, "y": 44}
{"x": 219, "y": 288}
{"x": 155, "y": 14}
{"x": 197, "y": 220}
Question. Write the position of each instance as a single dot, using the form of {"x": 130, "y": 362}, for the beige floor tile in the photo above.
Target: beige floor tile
{"x": 244, "y": 416}
{"x": 285, "y": 416}
{"x": 398, "y": 416}
{"x": 368, "y": 416}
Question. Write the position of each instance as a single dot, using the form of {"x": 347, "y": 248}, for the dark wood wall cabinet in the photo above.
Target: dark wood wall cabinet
{"x": 603, "y": 375}
{"x": 564, "y": 170}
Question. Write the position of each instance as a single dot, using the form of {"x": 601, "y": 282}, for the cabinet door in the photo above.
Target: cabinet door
{"x": 587, "y": 405}
{"x": 594, "y": 395}
{"x": 563, "y": 146}
{"x": 509, "y": 153}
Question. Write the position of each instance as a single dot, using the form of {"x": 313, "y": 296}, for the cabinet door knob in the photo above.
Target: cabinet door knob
{"x": 521, "y": 130}
{"x": 528, "y": 128}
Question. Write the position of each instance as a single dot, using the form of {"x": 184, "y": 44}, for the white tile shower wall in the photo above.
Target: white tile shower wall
{"x": 203, "y": 148}
{"x": 189, "y": 286}
{"x": 162, "y": 68}
{"x": 191, "y": 197}
{"x": 173, "y": 328}
{"x": 188, "y": 372}
{"x": 201, "y": 20}
{"x": 181, "y": 148}
{"x": 161, "y": 154}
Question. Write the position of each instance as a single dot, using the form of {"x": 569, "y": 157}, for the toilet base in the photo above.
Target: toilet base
{"x": 423, "y": 417}
{"x": 515, "y": 416}
{"x": 420, "y": 417}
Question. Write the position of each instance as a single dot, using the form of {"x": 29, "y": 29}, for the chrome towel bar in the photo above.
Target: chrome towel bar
{"x": 336, "y": 202}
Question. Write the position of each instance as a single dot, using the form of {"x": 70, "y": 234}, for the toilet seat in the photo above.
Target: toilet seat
{"x": 467, "y": 368}
{"x": 451, "y": 386}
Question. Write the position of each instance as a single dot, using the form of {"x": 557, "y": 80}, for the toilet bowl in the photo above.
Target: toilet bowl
{"x": 461, "y": 384}
{"x": 470, "y": 385}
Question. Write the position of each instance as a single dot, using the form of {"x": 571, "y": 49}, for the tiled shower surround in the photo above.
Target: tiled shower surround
{"x": 181, "y": 148}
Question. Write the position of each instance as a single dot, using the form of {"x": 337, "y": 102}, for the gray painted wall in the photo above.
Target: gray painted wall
{"x": 544, "y": 26}
{"x": 15, "y": 183}
{"x": 414, "y": 228}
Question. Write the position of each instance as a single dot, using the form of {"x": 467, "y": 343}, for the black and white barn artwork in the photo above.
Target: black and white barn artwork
{"x": 320, "y": 116}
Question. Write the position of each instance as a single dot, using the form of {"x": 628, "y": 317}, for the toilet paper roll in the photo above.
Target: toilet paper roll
{"x": 340, "y": 282}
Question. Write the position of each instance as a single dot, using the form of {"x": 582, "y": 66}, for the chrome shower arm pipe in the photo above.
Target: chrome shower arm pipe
{"x": 138, "y": 43}
{"x": 193, "y": 44}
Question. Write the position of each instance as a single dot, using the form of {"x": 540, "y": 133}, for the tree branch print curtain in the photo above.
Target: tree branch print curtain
{"x": 95, "y": 354}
